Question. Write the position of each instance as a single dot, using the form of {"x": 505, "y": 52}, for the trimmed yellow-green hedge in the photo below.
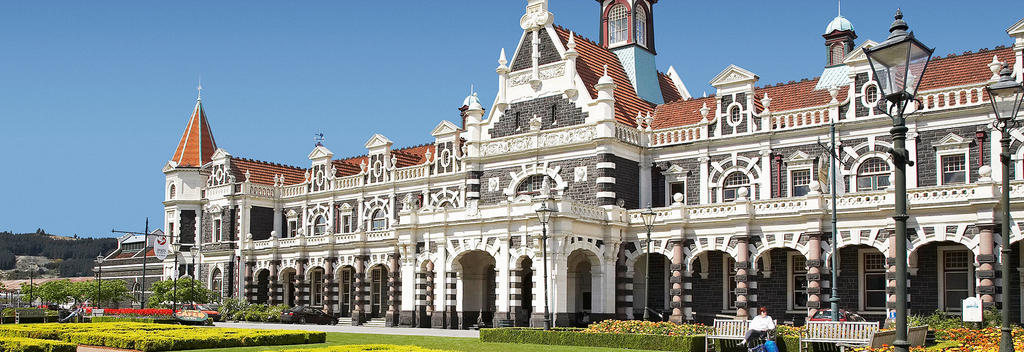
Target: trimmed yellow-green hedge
{"x": 368, "y": 348}
{"x": 576, "y": 338}
{"x": 160, "y": 337}
{"x": 21, "y": 344}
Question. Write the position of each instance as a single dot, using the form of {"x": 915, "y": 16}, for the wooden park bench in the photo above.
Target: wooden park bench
{"x": 916, "y": 337}
{"x": 29, "y": 313}
{"x": 724, "y": 329}
{"x": 844, "y": 335}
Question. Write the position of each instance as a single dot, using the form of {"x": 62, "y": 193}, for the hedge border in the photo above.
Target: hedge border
{"x": 172, "y": 337}
{"x": 21, "y": 344}
{"x": 575, "y": 338}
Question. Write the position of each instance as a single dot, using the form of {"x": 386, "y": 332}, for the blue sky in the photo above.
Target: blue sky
{"x": 95, "y": 95}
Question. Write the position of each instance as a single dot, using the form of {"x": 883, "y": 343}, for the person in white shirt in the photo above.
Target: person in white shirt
{"x": 759, "y": 326}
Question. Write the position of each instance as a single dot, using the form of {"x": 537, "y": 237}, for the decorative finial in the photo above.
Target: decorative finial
{"x": 501, "y": 58}
{"x": 605, "y": 70}
{"x": 899, "y": 26}
{"x": 200, "y": 89}
{"x": 572, "y": 40}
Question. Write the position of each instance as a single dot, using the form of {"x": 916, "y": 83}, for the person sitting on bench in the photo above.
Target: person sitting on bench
{"x": 759, "y": 326}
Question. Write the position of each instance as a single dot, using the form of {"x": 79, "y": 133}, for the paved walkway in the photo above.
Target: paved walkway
{"x": 355, "y": 329}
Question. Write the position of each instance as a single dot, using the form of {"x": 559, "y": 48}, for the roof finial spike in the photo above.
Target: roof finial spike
{"x": 501, "y": 59}
{"x": 572, "y": 40}
{"x": 840, "y": 8}
{"x": 200, "y": 89}
{"x": 605, "y": 70}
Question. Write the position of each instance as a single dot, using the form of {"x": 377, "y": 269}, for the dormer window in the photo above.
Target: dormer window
{"x": 640, "y": 17}
{"x": 618, "y": 24}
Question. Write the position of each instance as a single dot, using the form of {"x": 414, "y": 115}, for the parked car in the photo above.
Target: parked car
{"x": 210, "y": 312}
{"x": 304, "y": 314}
{"x": 844, "y": 315}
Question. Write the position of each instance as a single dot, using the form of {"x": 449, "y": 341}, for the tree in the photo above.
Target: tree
{"x": 110, "y": 291}
{"x": 29, "y": 293}
{"x": 60, "y": 292}
{"x": 163, "y": 293}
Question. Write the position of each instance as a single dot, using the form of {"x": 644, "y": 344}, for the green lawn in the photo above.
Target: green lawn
{"x": 445, "y": 343}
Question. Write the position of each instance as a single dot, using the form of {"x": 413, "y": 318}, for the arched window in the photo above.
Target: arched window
{"x": 532, "y": 185}
{"x": 640, "y": 17}
{"x": 378, "y": 221}
{"x": 319, "y": 225}
{"x": 734, "y": 115}
{"x": 618, "y": 24}
{"x": 216, "y": 281}
{"x": 732, "y": 184}
{"x": 173, "y": 192}
{"x": 873, "y": 175}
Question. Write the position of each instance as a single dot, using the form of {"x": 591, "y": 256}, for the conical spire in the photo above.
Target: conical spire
{"x": 197, "y": 145}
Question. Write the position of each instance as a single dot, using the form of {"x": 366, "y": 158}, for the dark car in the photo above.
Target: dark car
{"x": 304, "y": 314}
{"x": 844, "y": 315}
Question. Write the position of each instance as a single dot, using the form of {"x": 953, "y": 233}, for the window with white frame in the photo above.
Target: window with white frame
{"x": 293, "y": 228}
{"x": 319, "y": 225}
{"x": 732, "y": 184}
{"x": 640, "y": 17}
{"x": 873, "y": 288}
{"x": 317, "y": 287}
{"x": 532, "y": 185}
{"x": 346, "y": 223}
{"x": 954, "y": 169}
{"x": 673, "y": 189}
{"x": 216, "y": 281}
{"x": 216, "y": 230}
{"x": 730, "y": 282}
{"x": 956, "y": 280}
{"x": 173, "y": 192}
{"x": 872, "y": 175}
{"x": 378, "y": 221}
{"x": 618, "y": 24}
{"x": 798, "y": 281}
{"x": 734, "y": 116}
{"x": 800, "y": 182}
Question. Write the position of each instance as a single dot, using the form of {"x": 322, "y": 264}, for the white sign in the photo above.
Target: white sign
{"x": 161, "y": 247}
{"x": 972, "y": 309}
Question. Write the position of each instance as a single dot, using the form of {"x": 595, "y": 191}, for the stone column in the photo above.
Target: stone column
{"x": 623, "y": 288}
{"x": 814, "y": 264}
{"x": 677, "y": 282}
{"x": 250, "y": 284}
{"x": 391, "y": 317}
{"x": 742, "y": 270}
{"x": 277, "y": 222}
{"x": 987, "y": 259}
{"x": 330, "y": 287}
{"x": 358, "y": 290}
{"x": 275, "y": 294}
{"x": 450, "y": 290}
{"x": 299, "y": 283}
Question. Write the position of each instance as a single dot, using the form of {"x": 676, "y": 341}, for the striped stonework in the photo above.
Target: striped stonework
{"x": 623, "y": 289}
{"x": 450, "y": 291}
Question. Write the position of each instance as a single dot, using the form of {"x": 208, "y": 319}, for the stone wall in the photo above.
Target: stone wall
{"x": 524, "y": 56}
{"x": 554, "y": 112}
{"x": 583, "y": 191}
{"x": 927, "y": 160}
{"x": 707, "y": 293}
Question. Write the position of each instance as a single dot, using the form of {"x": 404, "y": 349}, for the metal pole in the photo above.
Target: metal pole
{"x": 508, "y": 313}
{"x": 99, "y": 285}
{"x": 834, "y": 298}
{"x": 647, "y": 276}
{"x": 544, "y": 248}
{"x": 174, "y": 299}
{"x": 194, "y": 280}
{"x": 145, "y": 252}
{"x": 1006, "y": 340}
{"x": 899, "y": 151}
{"x": 31, "y": 287}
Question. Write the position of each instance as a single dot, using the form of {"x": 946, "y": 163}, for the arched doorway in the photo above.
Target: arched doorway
{"x": 263, "y": 286}
{"x": 782, "y": 284}
{"x": 713, "y": 286}
{"x": 476, "y": 293}
{"x": 581, "y": 266}
{"x": 216, "y": 281}
{"x": 526, "y": 296}
{"x": 378, "y": 291}
{"x": 346, "y": 277}
{"x": 944, "y": 277}
{"x": 652, "y": 290}
{"x": 288, "y": 285}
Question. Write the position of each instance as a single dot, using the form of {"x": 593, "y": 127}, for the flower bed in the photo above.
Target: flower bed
{"x": 362, "y": 348}
{"x": 580, "y": 338}
{"x": 21, "y": 344}
{"x": 159, "y": 337}
{"x": 647, "y": 327}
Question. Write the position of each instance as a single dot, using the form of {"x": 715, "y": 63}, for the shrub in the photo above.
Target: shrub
{"x": 20, "y": 344}
{"x": 362, "y": 348}
{"x": 647, "y": 327}
{"x": 578, "y": 338}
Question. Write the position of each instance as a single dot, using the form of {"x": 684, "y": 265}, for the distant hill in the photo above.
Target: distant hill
{"x": 49, "y": 255}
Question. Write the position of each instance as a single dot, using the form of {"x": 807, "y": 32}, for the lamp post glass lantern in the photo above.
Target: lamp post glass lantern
{"x": 1005, "y": 95}
{"x": 544, "y": 215}
{"x": 99, "y": 279}
{"x": 648, "y": 216}
{"x": 898, "y": 65}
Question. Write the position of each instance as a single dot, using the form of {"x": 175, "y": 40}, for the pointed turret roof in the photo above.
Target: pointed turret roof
{"x": 197, "y": 143}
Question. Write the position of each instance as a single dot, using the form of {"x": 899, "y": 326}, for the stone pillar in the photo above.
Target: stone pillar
{"x": 299, "y": 283}
{"x": 331, "y": 294}
{"x": 987, "y": 258}
{"x": 814, "y": 264}
{"x": 742, "y": 271}
{"x": 623, "y": 288}
{"x": 250, "y": 284}
{"x": 358, "y": 291}
{"x": 277, "y": 222}
{"x": 450, "y": 291}
{"x": 275, "y": 294}
{"x": 391, "y": 317}
{"x": 425, "y": 296}
{"x": 677, "y": 282}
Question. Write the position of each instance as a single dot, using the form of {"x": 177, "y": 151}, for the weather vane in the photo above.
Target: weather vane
{"x": 319, "y": 138}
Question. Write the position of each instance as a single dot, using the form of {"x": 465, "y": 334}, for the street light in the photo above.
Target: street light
{"x": 1005, "y": 96}
{"x": 174, "y": 296}
{"x": 648, "y": 216}
{"x": 899, "y": 63}
{"x": 31, "y": 284}
{"x": 195, "y": 252}
{"x": 544, "y": 215}
{"x": 99, "y": 280}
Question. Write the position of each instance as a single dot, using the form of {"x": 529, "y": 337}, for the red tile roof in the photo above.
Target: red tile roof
{"x": 197, "y": 136}
{"x": 668, "y": 89}
{"x": 348, "y": 167}
{"x": 966, "y": 68}
{"x": 682, "y": 112}
{"x": 795, "y": 95}
{"x": 263, "y": 172}
{"x": 415, "y": 155}
{"x": 590, "y": 66}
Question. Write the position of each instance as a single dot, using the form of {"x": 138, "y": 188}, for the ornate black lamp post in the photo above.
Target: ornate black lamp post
{"x": 1005, "y": 96}
{"x": 174, "y": 300}
{"x": 194, "y": 250}
{"x": 648, "y": 216}
{"x": 898, "y": 64}
{"x": 544, "y": 215}
{"x": 99, "y": 279}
